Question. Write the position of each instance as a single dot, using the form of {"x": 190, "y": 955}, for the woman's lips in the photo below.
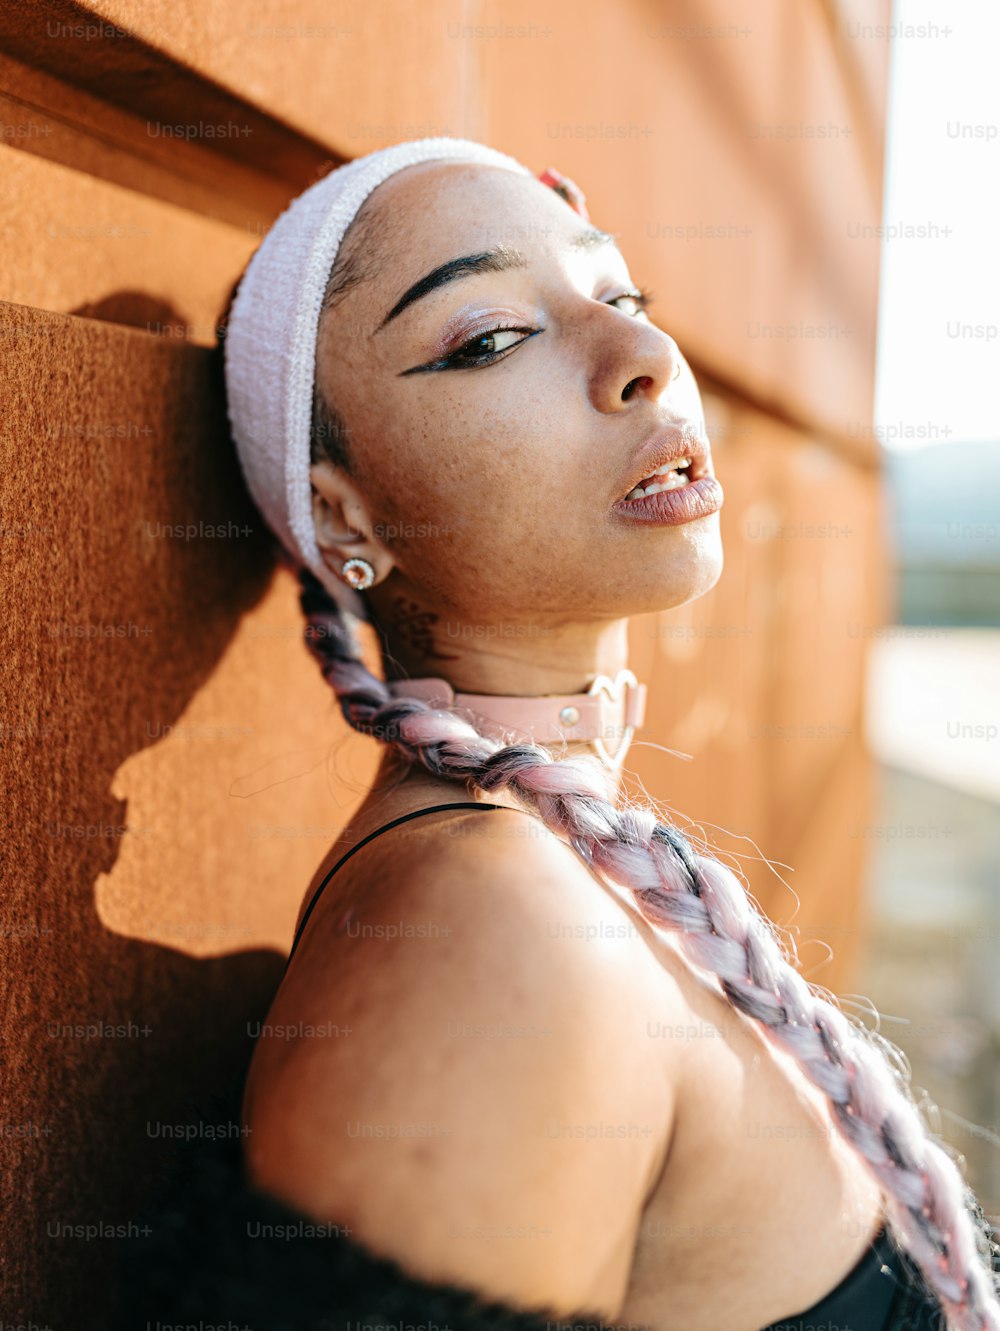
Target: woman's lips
{"x": 671, "y": 508}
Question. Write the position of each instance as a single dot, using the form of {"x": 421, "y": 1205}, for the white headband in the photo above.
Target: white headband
{"x": 270, "y": 342}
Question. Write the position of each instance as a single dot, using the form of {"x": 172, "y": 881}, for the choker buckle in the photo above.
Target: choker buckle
{"x": 613, "y": 689}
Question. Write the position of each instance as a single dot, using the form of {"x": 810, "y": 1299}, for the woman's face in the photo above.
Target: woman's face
{"x": 487, "y": 483}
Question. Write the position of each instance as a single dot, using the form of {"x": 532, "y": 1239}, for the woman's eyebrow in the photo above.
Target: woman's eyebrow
{"x": 496, "y": 260}
{"x": 593, "y": 238}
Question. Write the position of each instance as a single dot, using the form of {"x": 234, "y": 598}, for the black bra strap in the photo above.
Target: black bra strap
{"x": 417, "y": 813}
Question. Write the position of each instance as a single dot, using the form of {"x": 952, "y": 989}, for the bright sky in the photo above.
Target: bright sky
{"x": 939, "y": 326}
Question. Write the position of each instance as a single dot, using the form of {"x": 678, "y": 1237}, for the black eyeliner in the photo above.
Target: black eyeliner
{"x": 446, "y": 362}
{"x": 642, "y": 296}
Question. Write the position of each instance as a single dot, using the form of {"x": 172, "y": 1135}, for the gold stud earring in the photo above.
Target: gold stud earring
{"x": 358, "y": 573}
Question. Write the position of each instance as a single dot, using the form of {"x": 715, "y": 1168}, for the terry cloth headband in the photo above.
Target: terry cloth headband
{"x": 270, "y": 341}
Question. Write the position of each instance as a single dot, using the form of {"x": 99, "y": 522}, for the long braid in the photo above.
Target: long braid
{"x": 933, "y": 1213}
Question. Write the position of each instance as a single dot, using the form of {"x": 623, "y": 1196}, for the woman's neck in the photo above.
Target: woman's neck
{"x": 508, "y": 658}
{"x": 512, "y": 661}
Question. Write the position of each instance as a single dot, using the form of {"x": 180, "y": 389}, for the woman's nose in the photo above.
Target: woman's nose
{"x": 637, "y": 360}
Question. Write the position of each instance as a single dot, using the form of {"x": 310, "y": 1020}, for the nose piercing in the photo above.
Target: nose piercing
{"x": 677, "y": 372}
{"x": 358, "y": 573}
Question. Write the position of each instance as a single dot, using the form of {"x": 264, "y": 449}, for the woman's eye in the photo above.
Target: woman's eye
{"x": 490, "y": 345}
{"x": 641, "y": 298}
{"x": 494, "y": 342}
{"x": 487, "y": 346}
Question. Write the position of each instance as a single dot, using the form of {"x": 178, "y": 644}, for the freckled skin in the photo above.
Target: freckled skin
{"x": 483, "y": 502}
{"x": 483, "y": 495}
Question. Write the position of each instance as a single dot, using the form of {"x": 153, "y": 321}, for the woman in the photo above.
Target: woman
{"x": 553, "y": 1065}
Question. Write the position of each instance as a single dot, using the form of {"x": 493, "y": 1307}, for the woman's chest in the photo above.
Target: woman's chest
{"x": 762, "y": 1207}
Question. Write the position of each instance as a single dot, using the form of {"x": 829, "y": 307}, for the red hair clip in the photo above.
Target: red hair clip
{"x": 567, "y": 189}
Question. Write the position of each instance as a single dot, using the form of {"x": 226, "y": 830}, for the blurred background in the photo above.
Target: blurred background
{"x": 810, "y": 191}
{"x": 933, "y": 679}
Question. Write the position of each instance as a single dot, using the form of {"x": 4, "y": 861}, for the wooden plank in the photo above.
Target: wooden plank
{"x": 81, "y": 245}
{"x": 113, "y": 63}
{"x": 59, "y": 123}
{"x": 354, "y": 77}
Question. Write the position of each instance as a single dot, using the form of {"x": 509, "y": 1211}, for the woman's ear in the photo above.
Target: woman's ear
{"x": 567, "y": 189}
{"x": 344, "y": 529}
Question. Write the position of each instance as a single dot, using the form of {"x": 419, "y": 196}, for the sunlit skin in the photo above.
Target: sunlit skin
{"x": 483, "y": 495}
{"x": 483, "y": 500}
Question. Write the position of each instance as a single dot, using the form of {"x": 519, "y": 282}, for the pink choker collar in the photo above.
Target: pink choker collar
{"x": 608, "y": 710}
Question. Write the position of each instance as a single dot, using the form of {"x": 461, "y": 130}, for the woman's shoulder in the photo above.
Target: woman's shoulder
{"x": 460, "y": 910}
{"x": 470, "y": 892}
{"x": 429, "y": 838}
{"x": 488, "y": 1078}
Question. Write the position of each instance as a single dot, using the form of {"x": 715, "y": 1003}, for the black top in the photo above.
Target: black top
{"x": 216, "y": 1250}
{"x": 882, "y": 1292}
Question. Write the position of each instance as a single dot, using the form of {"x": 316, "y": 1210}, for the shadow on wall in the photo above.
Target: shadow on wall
{"x": 120, "y": 606}
{"x": 137, "y": 309}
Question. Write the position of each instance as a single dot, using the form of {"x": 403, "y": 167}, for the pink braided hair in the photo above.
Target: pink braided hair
{"x": 933, "y": 1213}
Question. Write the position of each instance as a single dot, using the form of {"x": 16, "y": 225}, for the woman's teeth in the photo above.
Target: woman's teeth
{"x": 673, "y": 479}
